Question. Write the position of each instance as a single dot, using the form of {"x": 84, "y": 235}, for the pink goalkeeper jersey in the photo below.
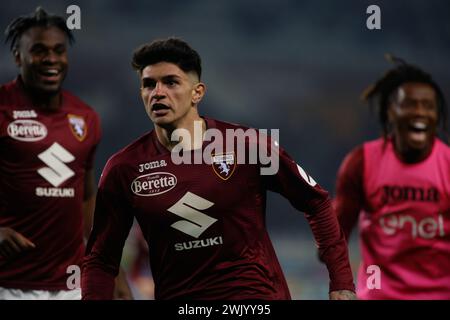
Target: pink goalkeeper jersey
{"x": 404, "y": 229}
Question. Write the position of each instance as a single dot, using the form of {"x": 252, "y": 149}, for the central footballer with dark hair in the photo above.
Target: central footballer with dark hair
{"x": 204, "y": 224}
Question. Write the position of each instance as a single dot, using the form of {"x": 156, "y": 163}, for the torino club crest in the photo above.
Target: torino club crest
{"x": 224, "y": 164}
{"x": 77, "y": 126}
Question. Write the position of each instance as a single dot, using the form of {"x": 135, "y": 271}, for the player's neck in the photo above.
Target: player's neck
{"x": 49, "y": 101}
{"x": 45, "y": 101}
{"x": 409, "y": 155}
{"x": 190, "y": 137}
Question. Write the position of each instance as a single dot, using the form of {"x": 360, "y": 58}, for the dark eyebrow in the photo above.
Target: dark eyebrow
{"x": 171, "y": 77}
{"x": 38, "y": 45}
{"x": 148, "y": 80}
{"x": 42, "y": 45}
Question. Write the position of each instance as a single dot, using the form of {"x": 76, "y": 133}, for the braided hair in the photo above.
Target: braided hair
{"x": 380, "y": 94}
{"x": 39, "y": 18}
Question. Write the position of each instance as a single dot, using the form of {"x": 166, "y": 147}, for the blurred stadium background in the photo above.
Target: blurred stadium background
{"x": 299, "y": 66}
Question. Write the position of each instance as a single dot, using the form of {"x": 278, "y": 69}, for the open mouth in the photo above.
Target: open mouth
{"x": 50, "y": 74}
{"x": 418, "y": 126}
{"x": 159, "y": 107}
{"x": 418, "y": 131}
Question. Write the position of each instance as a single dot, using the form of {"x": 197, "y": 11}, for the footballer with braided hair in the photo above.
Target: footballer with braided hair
{"x": 398, "y": 189}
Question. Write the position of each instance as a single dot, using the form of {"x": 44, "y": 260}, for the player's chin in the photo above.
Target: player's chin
{"x": 161, "y": 121}
{"x": 420, "y": 145}
{"x": 49, "y": 88}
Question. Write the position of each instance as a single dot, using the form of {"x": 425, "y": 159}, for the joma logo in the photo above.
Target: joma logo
{"x": 409, "y": 193}
{"x": 152, "y": 165}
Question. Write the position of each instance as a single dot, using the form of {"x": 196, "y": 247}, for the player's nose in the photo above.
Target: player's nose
{"x": 50, "y": 58}
{"x": 158, "y": 91}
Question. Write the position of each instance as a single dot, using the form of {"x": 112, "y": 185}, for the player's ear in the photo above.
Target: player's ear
{"x": 390, "y": 114}
{"x": 391, "y": 105}
{"x": 198, "y": 92}
{"x": 16, "y": 55}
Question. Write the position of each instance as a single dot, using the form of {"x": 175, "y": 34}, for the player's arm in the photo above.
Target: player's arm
{"x": 342, "y": 295}
{"x": 112, "y": 223}
{"x": 121, "y": 290}
{"x": 13, "y": 243}
{"x": 90, "y": 187}
{"x": 88, "y": 202}
{"x": 307, "y": 196}
{"x": 349, "y": 190}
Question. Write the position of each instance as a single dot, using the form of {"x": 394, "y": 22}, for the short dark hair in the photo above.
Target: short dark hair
{"x": 39, "y": 18}
{"x": 379, "y": 95}
{"x": 172, "y": 50}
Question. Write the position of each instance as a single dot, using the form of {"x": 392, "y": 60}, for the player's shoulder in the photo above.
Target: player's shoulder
{"x": 224, "y": 125}
{"x": 250, "y": 134}
{"x": 8, "y": 91}
{"x": 443, "y": 147}
{"x": 76, "y": 104}
{"x": 5, "y": 89}
{"x": 442, "y": 144}
{"x": 354, "y": 159}
{"x": 376, "y": 149}
{"x": 375, "y": 143}
{"x": 357, "y": 151}
{"x": 8, "y": 87}
{"x": 133, "y": 151}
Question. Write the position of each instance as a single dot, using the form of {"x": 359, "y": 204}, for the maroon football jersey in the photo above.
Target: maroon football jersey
{"x": 205, "y": 224}
{"x": 44, "y": 157}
